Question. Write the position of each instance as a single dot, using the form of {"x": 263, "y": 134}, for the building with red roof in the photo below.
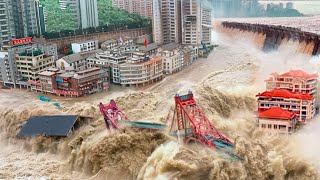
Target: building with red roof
{"x": 276, "y": 119}
{"x": 296, "y": 81}
{"x": 303, "y": 105}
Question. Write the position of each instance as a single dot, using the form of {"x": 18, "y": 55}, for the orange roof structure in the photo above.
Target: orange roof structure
{"x": 285, "y": 94}
{"x": 295, "y": 73}
{"x": 277, "y": 113}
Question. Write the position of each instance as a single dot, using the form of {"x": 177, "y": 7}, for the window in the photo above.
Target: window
{"x": 275, "y": 126}
{"x": 269, "y": 126}
{"x": 263, "y": 125}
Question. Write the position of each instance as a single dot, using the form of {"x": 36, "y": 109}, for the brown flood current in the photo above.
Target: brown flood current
{"x": 224, "y": 85}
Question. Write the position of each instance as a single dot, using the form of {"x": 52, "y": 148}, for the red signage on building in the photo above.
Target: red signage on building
{"x": 65, "y": 92}
{"x": 21, "y": 41}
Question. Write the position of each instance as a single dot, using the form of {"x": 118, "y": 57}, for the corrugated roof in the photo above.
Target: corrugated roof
{"x": 277, "y": 113}
{"x": 56, "y": 125}
{"x": 285, "y": 94}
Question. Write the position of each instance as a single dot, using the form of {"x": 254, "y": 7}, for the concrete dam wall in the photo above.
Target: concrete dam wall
{"x": 271, "y": 37}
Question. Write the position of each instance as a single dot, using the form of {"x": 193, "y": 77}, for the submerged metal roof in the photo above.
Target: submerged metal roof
{"x": 56, "y": 125}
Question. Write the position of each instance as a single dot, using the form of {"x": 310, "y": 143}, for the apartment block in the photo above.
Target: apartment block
{"x": 303, "y": 105}
{"x": 142, "y": 7}
{"x": 31, "y": 62}
{"x": 141, "y": 70}
{"x": 9, "y": 65}
{"x": 171, "y": 58}
{"x": 74, "y": 62}
{"x": 85, "y": 46}
{"x": 89, "y": 13}
{"x": 6, "y": 22}
{"x": 277, "y": 120}
{"x": 296, "y": 81}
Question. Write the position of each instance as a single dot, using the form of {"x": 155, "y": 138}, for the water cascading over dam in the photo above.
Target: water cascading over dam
{"x": 271, "y": 37}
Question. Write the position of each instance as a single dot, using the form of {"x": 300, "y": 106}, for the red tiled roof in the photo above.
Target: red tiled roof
{"x": 284, "y": 94}
{"x": 277, "y": 113}
{"x": 299, "y": 73}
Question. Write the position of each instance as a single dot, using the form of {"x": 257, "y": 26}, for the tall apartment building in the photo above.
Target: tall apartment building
{"x": 196, "y": 22}
{"x": 167, "y": 21}
{"x": 85, "y": 12}
{"x": 142, "y": 7}
{"x": 6, "y": 22}
{"x": 89, "y": 13}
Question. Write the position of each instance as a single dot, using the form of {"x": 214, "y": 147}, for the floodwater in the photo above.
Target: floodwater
{"x": 224, "y": 85}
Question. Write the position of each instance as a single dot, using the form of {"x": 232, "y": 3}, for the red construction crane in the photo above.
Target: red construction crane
{"x": 112, "y": 114}
{"x": 190, "y": 123}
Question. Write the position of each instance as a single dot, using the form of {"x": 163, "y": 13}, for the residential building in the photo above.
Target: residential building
{"x": 131, "y": 67}
{"x": 8, "y": 64}
{"x": 141, "y": 7}
{"x": 6, "y": 22}
{"x": 111, "y": 59}
{"x": 85, "y": 46}
{"x": 72, "y": 83}
{"x": 171, "y": 58}
{"x": 277, "y": 120}
{"x": 71, "y": 62}
{"x": 120, "y": 42}
{"x": 167, "y": 21}
{"x": 74, "y": 6}
{"x": 151, "y": 49}
{"x": 303, "y": 105}
{"x": 46, "y": 81}
{"x": 157, "y": 23}
{"x": 296, "y": 81}
{"x": 89, "y": 13}
{"x": 186, "y": 54}
{"x": 141, "y": 70}
{"x": 31, "y": 62}
{"x": 196, "y": 22}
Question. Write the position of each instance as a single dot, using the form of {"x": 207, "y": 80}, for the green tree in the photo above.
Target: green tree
{"x": 58, "y": 19}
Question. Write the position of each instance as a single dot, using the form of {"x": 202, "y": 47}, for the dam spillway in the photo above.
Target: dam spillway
{"x": 274, "y": 36}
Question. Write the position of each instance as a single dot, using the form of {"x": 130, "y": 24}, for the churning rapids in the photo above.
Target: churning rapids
{"x": 224, "y": 85}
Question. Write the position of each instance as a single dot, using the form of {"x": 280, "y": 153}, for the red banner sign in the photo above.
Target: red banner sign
{"x": 21, "y": 41}
{"x": 65, "y": 92}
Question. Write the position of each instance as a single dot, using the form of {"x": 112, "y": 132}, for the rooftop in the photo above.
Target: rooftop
{"x": 171, "y": 46}
{"x": 73, "y": 58}
{"x": 149, "y": 47}
{"x": 297, "y": 74}
{"x": 276, "y": 113}
{"x": 47, "y": 73}
{"x": 56, "y": 125}
{"x": 282, "y": 93}
{"x": 82, "y": 42}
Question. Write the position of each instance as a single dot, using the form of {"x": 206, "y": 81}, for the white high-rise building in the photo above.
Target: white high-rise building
{"x": 167, "y": 21}
{"x": 89, "y": 13}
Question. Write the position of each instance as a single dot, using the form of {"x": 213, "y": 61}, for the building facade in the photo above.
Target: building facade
{"x": 196, "y": 22}
{"x": 85, "y": 46}
{"x": 7, "y": 31}
{"x": 303, "y": 105}
{"x": 31, "y": 63}
{"x": 277, "y": 120}
{"x": 89, "y": 13}
{"x": 9, "y": 66}
{"x": 171, "y": 58}
{"x": 142, "y": 7}
{"x": 296, "y": 81}
{"x": 140, "y": 70}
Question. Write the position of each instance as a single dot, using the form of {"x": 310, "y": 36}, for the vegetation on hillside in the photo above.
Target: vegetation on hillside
{"x": 58, "y": 19}
{"x": 62, "y": 23}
